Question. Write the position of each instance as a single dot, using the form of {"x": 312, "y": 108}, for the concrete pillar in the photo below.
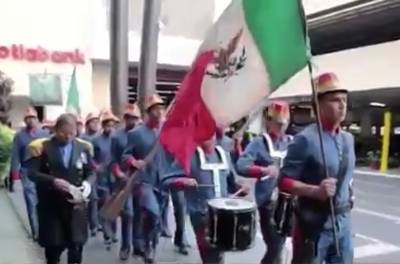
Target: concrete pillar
{"x": 149, "y": 48}
{"x": 119, "y": 59}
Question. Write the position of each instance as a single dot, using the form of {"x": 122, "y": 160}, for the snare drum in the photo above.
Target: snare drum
{"x": 231, "y": 224}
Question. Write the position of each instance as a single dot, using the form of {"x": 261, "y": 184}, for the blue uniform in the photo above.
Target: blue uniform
{"x": 93, "y": 213}
{"x": 258, "y": 153}
{"x": 119, "y": 141}
{"x": 304, "y": 163}
{"x": 214, "y": 186}
{"x": 18, "y": 165}
{"x": 261, "y": 152}
{"x": 88, "y": 137}
{"x": 102, "y": 158}
{"x": 148, "y": 198}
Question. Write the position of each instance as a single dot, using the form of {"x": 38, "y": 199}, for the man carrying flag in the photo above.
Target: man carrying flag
{"x": 303, "y": 175}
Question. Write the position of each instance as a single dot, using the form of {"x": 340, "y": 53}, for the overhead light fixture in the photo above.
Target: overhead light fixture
{"x": 377, "y": 104}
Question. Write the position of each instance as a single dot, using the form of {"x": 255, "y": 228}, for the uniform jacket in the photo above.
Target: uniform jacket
{"x": 141, "y": 141}
{"x": 257, "y": 153}
{"x": 197, "y": 198}
{"x": 21, "y": 140}
{"x": 102, "y": 158}
{"x": 304, "y": 162}
{"x": 60, "y": 222}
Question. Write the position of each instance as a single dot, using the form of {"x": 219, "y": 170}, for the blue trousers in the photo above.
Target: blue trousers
{"x": 323, "y": 247}
{"x": 147, "y": 205}
{"x": 274, "y": 242}
{"x": 30, "y": 197}
{"x": 128, "y": 235}
{"x": 208, "y": 254}
{"x": 93, "y": 209}
{"x": 179, "y": 203}
{"x": 109, "y": 227}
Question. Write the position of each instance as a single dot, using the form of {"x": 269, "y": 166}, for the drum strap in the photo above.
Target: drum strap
{"x": 269, "y": 146}
{"x": 344, "y": 163}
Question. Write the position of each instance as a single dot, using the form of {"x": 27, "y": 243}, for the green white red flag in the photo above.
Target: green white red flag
{"x": 254, "y": 47}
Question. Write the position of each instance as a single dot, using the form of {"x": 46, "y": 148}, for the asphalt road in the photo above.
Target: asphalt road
{"x": 376, "y": 219}
{"x": 376, "y": 226}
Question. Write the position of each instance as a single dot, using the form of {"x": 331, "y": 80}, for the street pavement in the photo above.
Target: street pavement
{"x": 15, "y": 246}
{"x": 376, "y": 227}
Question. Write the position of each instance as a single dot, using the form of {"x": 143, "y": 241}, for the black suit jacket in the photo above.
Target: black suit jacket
{"x": 60, "y": 222}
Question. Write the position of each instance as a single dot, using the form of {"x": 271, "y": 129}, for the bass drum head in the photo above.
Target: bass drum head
{"x": 231, "y": 204}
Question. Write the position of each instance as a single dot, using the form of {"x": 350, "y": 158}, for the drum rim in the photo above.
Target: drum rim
{"x": 250, "y": 209}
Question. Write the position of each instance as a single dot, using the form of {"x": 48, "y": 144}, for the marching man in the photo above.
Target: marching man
{"x": 261, "y": 160}
{"x": 91, "y": 130}
{"x": 18, "y": 165}
{"x": 211, "y": 176}
{"x": 148, "y": 199}
{"x": 118, "y": 142}
{"x": 303, "y": 175}
{"x": 102, "y": 163}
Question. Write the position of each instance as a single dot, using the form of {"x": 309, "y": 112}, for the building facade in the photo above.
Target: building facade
{"x": 41, "y": 43}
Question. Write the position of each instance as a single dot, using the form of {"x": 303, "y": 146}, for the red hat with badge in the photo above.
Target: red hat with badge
{"x": 279, "y": 111}
{"x": 90, "y": 116}
{"x": 153, "y": 100}
{"x": 132, "y": 110}
{"x": 328, "y": 83}
{"x": 108, "y": 116}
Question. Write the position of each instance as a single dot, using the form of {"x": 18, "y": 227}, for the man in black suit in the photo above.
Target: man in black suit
{"x": 60, "y": 166}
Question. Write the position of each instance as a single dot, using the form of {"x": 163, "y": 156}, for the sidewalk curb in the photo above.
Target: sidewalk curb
{"x": 377, "y": 174}
{"x": 17, "y": 213}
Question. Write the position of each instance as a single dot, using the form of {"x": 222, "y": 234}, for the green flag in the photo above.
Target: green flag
{"x": 73, "y": 95}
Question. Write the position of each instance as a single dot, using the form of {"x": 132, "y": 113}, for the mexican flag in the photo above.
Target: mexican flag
{"x": 73, "y": 95}
{"x": 254, "y": 47}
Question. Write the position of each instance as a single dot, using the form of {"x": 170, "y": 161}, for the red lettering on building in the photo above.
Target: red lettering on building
{"x": 40, "y": 54}
{"x": 4, "y": 52}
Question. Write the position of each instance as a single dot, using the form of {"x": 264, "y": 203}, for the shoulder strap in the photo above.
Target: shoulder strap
{"x": 344, "y": 162}
{"x": 266, "y": 145}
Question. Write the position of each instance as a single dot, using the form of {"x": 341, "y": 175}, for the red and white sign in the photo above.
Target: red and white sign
{"x": 39, "y": 54}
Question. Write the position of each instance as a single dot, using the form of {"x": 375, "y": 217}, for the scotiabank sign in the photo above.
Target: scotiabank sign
{"x": 40, "y": 54}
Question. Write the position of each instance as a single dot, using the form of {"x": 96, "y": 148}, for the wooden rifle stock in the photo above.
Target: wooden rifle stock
{"x": 112, "y": 207}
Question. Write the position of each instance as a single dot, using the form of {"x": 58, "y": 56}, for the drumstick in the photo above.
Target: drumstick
{"x": 205, "y": 185}
{"x": 265, "y": 177}
{"x": 238, "y": 192}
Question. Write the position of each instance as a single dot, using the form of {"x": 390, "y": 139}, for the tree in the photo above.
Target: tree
{"x": 6, "y": 134}
{"x": 6, "y": 85}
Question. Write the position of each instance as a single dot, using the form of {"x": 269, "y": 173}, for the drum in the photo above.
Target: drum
{"x": 231, "y": 224}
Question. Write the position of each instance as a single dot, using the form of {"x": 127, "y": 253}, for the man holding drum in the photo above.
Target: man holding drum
{"x": 211, "y": 177}
{"x": 261, "y": 160}
{"x": 303, "y": 175}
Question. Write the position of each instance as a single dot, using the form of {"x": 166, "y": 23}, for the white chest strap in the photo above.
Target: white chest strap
{"x": 214, "y": 167}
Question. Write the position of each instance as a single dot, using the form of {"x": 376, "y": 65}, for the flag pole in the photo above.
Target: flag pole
{"x": 326, "y": 174}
